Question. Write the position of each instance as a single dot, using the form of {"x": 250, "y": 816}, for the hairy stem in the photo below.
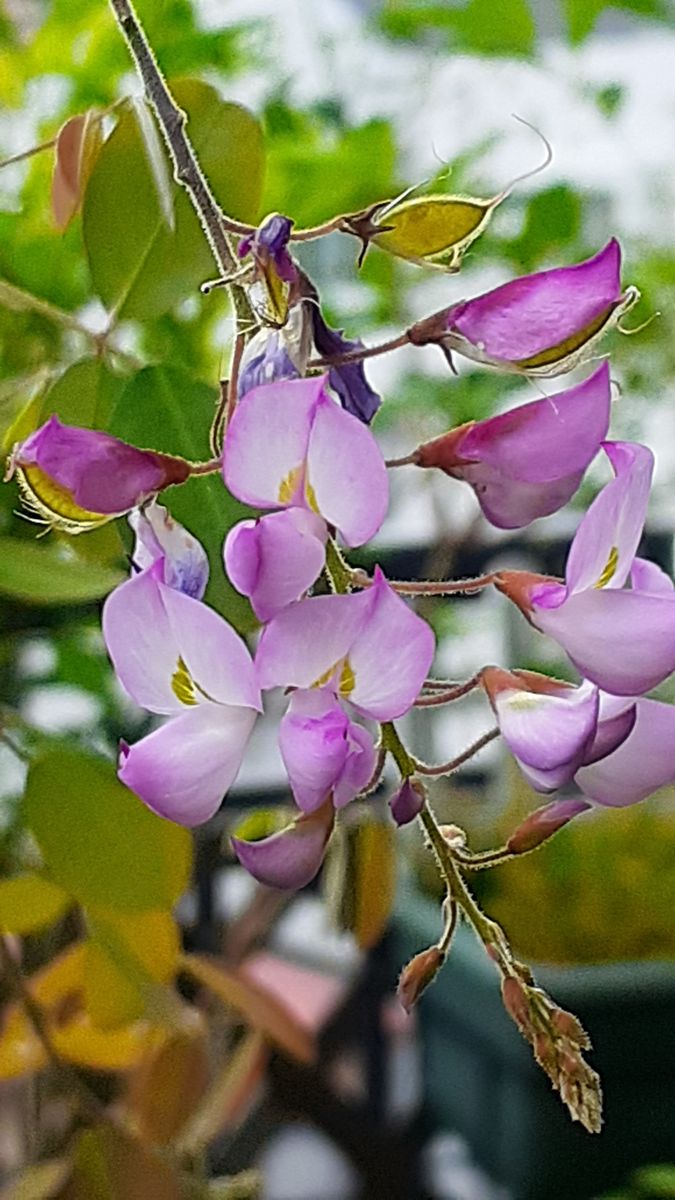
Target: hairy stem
{"x": 453, "y": 764}
{"x": 352, "y": 356}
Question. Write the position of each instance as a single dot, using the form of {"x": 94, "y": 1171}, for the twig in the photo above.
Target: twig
{"x": 453, "y": 764}
{"x": 447, "y": 695}
{"x": 352, "y": 356}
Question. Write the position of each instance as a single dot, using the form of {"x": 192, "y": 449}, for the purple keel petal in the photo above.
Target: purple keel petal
{"x": 644, "y": 762}
{"x": 391, "y": 657}
{"x": 183, "y": 770}
{"x": 276, "y": 559}
{"x": 186, "y": 565}
{"x": 645, "y": 576}
{"x": 623, "y": 641}
{"x": 358, "y": 767}
{"x": 291, "y": 858}
{"x": 346, "y": 473}
{"x": 266, "y": 442}
{"x": 603, "y": 549}
{"x": 547, "y": 730}
{"x": 313, "y": 739}
{"x": 509, "y": 504}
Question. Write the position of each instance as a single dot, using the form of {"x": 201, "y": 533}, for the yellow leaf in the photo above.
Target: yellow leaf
{"x": 105, "y": 1050}
{"x": 41, "y": 1182}
{"x": 169, "y": 1082}
{"x": 257, "y": 1008}
{"x": 21, "y": 1051}
{"x": 29, "y": 902}
{"x": 126, "y": 957}
{"x": 111, "y": 1165}
{"x": 360, "y": 878}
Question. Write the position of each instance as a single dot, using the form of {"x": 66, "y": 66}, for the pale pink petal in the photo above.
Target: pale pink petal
{"x": 141, "y": 642}
{"x": 313, "y": 739}
{"x": 391, "y": 656}
{"x": 213, "y": 653}
{"x": 509, "y": 504}
{"x": 624, "y": 641}
{"x": 358, "y": 767}
{"x": 642, "y": 764}
{"x": 346, "y": 474}
{"x": 275, "y": 559}
{"x": 310, "y": 638}
{"x": 291, "y": 858}
{"x": 645, "y": 576}
{"x": 267, "y": 440}
{"x": 547, "y": 730}
{"x": 603, "y": 549}
{"x": 183, "y": 770}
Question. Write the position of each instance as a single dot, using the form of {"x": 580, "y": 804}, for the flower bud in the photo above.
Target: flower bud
{"x": 76, "y": 479}
{"x": 543, "y": 823}
{"x": 185, "y": 562}
{"x": 417, "y": 975}
{"x": 407, "y": 802}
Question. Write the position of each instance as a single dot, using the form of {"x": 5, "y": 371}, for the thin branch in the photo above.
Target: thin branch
{"x": 187, "y": 171}
{"x": 352, "y": 356}
{"x": 446, "y": 696}
{"x": 233, "y": 385}
{"x": 21, "y": 155}
{"x": 19, "y": 300}
{"x": 453, "y": 764}
{"x": 444, "y": 587}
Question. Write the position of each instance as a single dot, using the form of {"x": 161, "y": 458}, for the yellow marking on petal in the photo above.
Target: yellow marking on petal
{"x": 609, "y": 569}
{"x": 347, "y": 679}
{"x": 310, "y": 497}
{"x": 54, "y": 503}
{"x": 323, "y": 679}
{"x": 289, "y": 486}
{"x": 183, "y": 685}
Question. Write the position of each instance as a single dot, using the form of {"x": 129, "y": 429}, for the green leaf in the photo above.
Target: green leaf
{"x": 98, "y": 840}
{"x": 85, "y": 395}
{"x": 583, "y": 15}
{"x": 29, "y": 902}
{"x": 42, "y": 574}
{"x": 166, "y": 408}
{"x": 140, "y": 267}
{"x": 479, "y": 26}
{"x": 157, "y": 160}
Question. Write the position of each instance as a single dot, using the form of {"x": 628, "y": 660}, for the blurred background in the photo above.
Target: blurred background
{"x": 324, "y": 1089}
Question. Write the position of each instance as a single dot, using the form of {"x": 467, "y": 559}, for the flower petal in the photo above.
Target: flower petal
{"x": 215, "y": 656}
{"x": 183, "y": 770}
{"x": 509, "y": 504}
{"x": 624, "y": 641}
{"x": 391, "y": 656}
{"x": 523, "y": 319}
{"x": 314, "y": 746}
{"x": 358, "y": 767}
{"x": 548, "y": 730}
{"x": 407, "y": 802}
{"x": 309, "y": 638}
{"x": 185, "y": 563}
{"x": 275, "y": 559}
{"x": 611, "y": 732}
{"x": 267, "y": 441}
{"x": 346, "y": 473}
{"x": 291, "y": 858}
{"x": 644, "y": 762}
{"x": 348, "y": 380}
{"x": 645, "y": 576}
{"x": 142, "y": 643}
{"x": 603, "y": 549}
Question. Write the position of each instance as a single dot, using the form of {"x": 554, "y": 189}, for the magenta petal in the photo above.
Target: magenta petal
{"x": 313, "y": 739}
{"x": 509, "y": 504}
{"x": 346, "y": 473}
{"x": 603, "y": 549}
{"x": 183, "y": 770}
{"x": 645, "y": 576}
{"x": 103, "y": 474}
{"x": 291, "y": 858}
{"x": 407, "y": 802}
{"x": 546, "y": 439}
{"x": 276, "y": 559}
{"x": 624, "y": 641}
{"x": 527, "y": 316}
{"x": 267, "y": 441}
{"x": 391, "y": 656}
{"x": 186, "y": 565}
{"x": 642, "y": 764}
{"x": 309, "y": 638}
{"x": 548, "y": 730}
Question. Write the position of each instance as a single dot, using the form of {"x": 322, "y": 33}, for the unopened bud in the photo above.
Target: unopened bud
{"x": 406, "y": 803}
{"x": 514, "y": 995}
{"x": 543, "y": 823}
{"x": 454, "y": 835}
{"x": 417, "y": 975}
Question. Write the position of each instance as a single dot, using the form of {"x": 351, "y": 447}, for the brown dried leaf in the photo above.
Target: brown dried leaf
{"x": 169, "y": 1083}
{"x": 77, "y": 145}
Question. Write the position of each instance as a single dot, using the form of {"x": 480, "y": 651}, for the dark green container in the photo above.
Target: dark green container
{"x": 480, "y": 1078}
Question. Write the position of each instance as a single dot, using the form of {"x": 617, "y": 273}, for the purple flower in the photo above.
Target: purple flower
{"x": 528, "y": 462}
{"x": 541, "y": 324}
{"x": 348, "y": 380}
{"x": 275, "y": 559}
{"x": 75, "y": 477}
{"x": 278, "y": 353}
{"x": 622, "y": 639}
{"x": 185, "y": 565}
{"x": 636, "y": 765}
{"x": 178, "y": 658}
{"x": 274, "y": 272}
{"x": 292, "y": 857}
{"x": 324, "y": 751}
{"x": 290, "y": 446}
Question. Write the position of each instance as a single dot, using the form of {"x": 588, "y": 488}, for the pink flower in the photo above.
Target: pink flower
{"x": 76, "y": 477}
{"x": 290, "y": 447}
{"x": 178, "y": 658}
{"x": 528, "y": 462}
{"x": 541, "y": 324}
{"x": 185, "y": 565}
{"x": 622, "y": 639}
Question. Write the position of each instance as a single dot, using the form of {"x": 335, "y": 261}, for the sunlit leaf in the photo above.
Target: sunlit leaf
{"x": 40, "y": 573}
{"x": 82, "y": 1043}
{"x": 168, "y": 409}
{"x": 229, "y": 1099}
{"x": 255, "y": 1006}
{"x": 168, "y": 1084}
{"x": 98, "y": 840}
{"x": 126, "y": 956}
{"x": 29, "y": 902}
{"x": 583, "y": 15}
{"x": 77, "y": 145}
{"x": 21, "y": 1051}
{"x": 140, "y": 267}
{"x": 157, "y": 160}
{"x": 479, "y": 26}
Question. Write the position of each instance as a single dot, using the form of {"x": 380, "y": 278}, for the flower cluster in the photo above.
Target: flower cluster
{"x": 345, "y": 648}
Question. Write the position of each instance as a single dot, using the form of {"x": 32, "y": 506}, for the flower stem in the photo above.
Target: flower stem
{"x": 444, "y": 587}
{"x": 352, "y": 356}
{"x": 446, "y": 696}
{"x": 207, "y": 468}
{"x": 392, "y": 742}
{"x": 453, "y": 764}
